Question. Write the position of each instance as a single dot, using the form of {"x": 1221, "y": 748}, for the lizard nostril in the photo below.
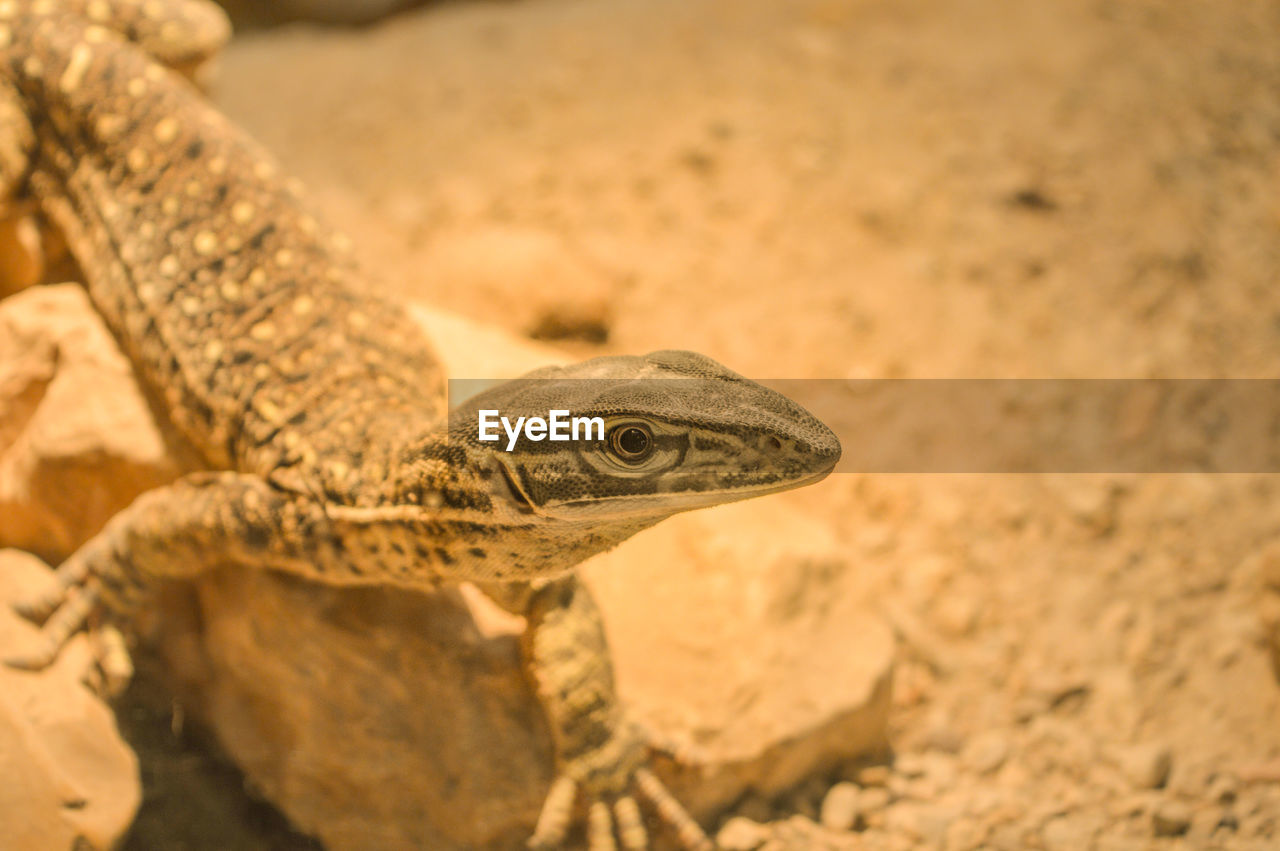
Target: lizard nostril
{"x": 773, "y": 443}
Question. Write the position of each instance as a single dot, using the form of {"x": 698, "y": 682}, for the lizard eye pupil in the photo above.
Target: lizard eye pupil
{"x": 631, "y": 443}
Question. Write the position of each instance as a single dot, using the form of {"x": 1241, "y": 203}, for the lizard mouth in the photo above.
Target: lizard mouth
{"x": 514, "y": 493}
{"x": 673, "y": 502}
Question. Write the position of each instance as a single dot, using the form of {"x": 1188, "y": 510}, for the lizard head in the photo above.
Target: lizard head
{"x": 640, "y": 438}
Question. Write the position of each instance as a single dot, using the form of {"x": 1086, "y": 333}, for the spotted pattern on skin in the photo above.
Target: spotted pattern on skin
{"x": 131, "y": 152}
{"x": 320, "y": 401}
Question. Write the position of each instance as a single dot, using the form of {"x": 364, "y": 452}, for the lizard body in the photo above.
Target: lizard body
{"x": 318, "y": 407}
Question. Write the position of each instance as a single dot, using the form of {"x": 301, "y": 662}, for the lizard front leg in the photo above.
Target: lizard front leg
{"x": 174, "y": 532}
{"x": 600, "y": 755}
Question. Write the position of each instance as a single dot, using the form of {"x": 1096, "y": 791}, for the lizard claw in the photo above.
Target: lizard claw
{"x": 619, "y": 816}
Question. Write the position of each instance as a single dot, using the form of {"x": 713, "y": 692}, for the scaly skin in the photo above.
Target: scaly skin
{"x": 319, "y": 408}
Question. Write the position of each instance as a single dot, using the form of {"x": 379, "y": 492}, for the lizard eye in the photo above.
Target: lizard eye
{"x": 632, "y": 442}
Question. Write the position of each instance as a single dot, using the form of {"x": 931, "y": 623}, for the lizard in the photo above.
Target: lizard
{"x": 319, "y": 410}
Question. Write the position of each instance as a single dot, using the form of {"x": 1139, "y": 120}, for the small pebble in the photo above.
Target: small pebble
{"x": 987, "y": 752}
{"x": 741, "y": 834}
{"x": 1170, "y": 818}
{"x": 957, "y": 614}
{"x": 756, "y": 808}
{"x": 1224, "y": 788}
{"x": 873, "y": 799}
{"x": 840, "y": 807}
{"x": 1062, "y": 834}
{"x": 1146, "y": 766}
{"x": 926, "y": 822}
{"x": 874, "y": 775}
{"x": 911, "y": 765}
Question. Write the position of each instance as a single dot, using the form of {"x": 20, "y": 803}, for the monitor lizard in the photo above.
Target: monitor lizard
{"x": 319, "y": 409}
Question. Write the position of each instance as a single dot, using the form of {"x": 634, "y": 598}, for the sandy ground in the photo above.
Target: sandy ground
{"x": 835, "y": 189}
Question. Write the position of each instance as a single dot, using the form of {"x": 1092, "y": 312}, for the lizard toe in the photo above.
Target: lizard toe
{"x": 69, "y": 617}
{"x": 600, "y": 828}
{"x": 114, "y": 668}
{"x": 70, "y": 574}
{"x": 688, "y": 832}
{"x": 616, "y": 823}
{"x": 553, "y": 821}
{"x": 630, "y": 823}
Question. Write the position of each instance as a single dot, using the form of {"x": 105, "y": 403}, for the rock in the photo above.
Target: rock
{"x": 1093, "y": 500}
{"x": 79, "y": 780}
{"x": 741, "y": 834}
{"x": 77, "y": 442}
{"x": 1146, "y": 766}
{"x": 1170, "y": 818}
{"x": 1058, "y": 834}
{"x": 1224, "y": 788}
{"x": 874, "y": 775}
{"x": 987, "y": 752}
{"x": 1205, "y": 822}
{"x": 488, "y": 261}
{"x": 798, "y": 833}
{"x": 874, "y": 799}
{"x": 924, "y": 775}
{"x": 957, "y": 614}
{"x": 807, "y": 692}
{"x": 840, "y": 807}
{"x": 927, "y": 823}
{"x": 940, "y": 733}
{"x": 362, "y": 688}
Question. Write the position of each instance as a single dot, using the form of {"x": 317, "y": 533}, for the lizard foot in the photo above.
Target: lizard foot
{"x": 69, "y": 618}
{"x": 73, "y": 604}
{"x": 65, "y": 609}
{"x": 618, "y": 814}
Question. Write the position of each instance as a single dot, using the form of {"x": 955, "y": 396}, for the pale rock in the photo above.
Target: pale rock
{"x": 1092, "y": 499}
{"x": 986, "y": 752}
{"x": 1170, "y": 818}
{"x": 741, "y": 834}
{"x": 874, "y": 798}
{"x": 957, "y": 613}
{"x": 489, "y": 260}
{"x": 1061, "y": 834}
{"x": 79, "y": 780}
{"x": 840, "y": 807}
{"x": 874, "y": 775}
{"x": 1114, "y": 703}
{"x": 799, "y": 833}
{"x": 1205, "y": 822}
{"x": 1133, "y": 804}
{"x": 910, "y": 765}
{"x": 378, "y": 718}
{"x": 804, "y": 692}
{"x": 1224, "y": 788}
{"x": 1146, "y": 766}
{"x": 926, "y": 823}
{"x": 77, "y": 442}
